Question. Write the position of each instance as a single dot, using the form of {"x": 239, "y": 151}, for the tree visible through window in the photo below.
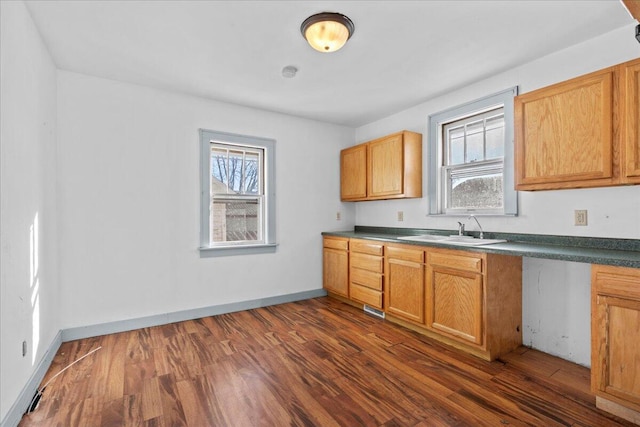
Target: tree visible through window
{"x": 238, "y": 197}
{"x": 236, "y": 193}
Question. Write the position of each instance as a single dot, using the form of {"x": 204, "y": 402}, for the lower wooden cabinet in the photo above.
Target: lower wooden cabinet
{"x": 335, "y": 265}
{"x": 470, "y": 300}
{"x": 404, "y": 295}
{"x": 455, "y": 296}
{"x": 366, "y": 279}
{"x": 615, "y": 340}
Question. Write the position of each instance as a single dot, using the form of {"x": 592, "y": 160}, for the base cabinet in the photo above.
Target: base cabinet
{"x": 404, "y": 296}
{"x": 366, "y": 279}
{"x": 455, "y": 296}
{"x": 335, "y": 265}
{"x": 615, "y": 335}
{"x": 469, "y": 300}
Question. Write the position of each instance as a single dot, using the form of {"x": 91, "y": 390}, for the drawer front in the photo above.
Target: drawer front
{"x": 367, "y": 262}
{"x": 366, "y": 247}
{"x": 342, "y": 244}
{"x": 366, "y": 295}
{"x": 366, "y": 278}
{"x": 458, "y": 262}
{"x": 407, "y": 254}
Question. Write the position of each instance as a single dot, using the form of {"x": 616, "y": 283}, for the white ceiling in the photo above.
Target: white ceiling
{"x": 401, "y": 54}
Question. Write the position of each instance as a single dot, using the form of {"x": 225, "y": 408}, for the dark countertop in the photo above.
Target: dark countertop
{"x": 619, "y": 252}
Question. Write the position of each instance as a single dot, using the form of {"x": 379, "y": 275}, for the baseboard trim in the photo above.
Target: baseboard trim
{"x": 21, "y": 404}
{"x": 179, "y": 316}
{"x": 18, "y": 409}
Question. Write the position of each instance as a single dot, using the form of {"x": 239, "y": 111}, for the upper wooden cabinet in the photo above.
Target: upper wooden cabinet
{"x": 353, "y": 173}
{"x": 631, "y": 122}
{"x": 385, "y": 168}
{"x": 579, "y": 133}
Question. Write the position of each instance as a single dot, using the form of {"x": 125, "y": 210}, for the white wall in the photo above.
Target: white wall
{"x": 28, "y": 239}
{"x": 129, "y": 202}
{"x": 612, "y": 212}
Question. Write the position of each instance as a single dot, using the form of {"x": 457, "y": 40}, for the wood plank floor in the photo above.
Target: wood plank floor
{"x": 311, "y": 363}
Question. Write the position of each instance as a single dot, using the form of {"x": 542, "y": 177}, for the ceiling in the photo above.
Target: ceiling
{"x": 401, "y": 54}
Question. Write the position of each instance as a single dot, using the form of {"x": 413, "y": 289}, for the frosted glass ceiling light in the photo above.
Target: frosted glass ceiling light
{"x": 326, "y": 31}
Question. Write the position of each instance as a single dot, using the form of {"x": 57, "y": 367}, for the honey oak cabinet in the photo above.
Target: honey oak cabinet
{"x": 630, "y": 122}
{"x": 353, "y": 173}
{"x": 615, "y": 340}
{"x": 366, "y": 266}
{"x": 579, "y": 133}
{"x": 474, "y": 300}
{"x": 335, "y": 265}
{"x": 404, "y": 294}
{"x": 386, "y": 168}
{"x": 455, "y": 296}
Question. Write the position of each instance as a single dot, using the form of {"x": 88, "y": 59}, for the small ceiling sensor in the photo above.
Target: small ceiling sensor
{"x": 289, "y": 72}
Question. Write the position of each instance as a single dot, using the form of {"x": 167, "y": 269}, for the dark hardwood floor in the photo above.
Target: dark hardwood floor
{"x": 312, "y": 363}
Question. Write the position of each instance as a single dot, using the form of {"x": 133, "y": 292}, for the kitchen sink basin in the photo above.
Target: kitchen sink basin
{"x": 452, "y": 240}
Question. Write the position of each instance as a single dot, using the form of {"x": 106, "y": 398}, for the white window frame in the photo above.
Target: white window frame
{"x": 267, "y": 241}
{"x": 437, "y": 150}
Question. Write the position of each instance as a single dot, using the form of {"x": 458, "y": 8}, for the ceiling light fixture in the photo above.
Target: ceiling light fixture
{"x": 327, "y": 31}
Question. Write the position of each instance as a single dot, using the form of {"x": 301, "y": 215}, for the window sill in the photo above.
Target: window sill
{"x": 216, "y": 251}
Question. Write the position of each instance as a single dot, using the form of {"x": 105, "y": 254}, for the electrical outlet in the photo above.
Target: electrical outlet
{"x": 580, "y": 217}
{"x": 400, "y": 216}
{"x": 24, "y": 348}
{"x": 338, "y": 216}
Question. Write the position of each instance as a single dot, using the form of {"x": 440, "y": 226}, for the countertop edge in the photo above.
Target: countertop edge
{"x": 615, "y": 257}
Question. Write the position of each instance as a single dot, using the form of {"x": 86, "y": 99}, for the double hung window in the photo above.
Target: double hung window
{"x": 471, "y": 158}
{"x": 237, "y": 183}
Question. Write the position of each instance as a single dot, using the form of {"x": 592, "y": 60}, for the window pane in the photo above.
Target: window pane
{"x": 252, "y": 173}
{"x": 482, "y": 192}
{"x": 235, "y": 170}
{"x": 456, "y": 146}
{"x": 475, "y": 141}
{"x": 235, "y": 220}
{"x": 219, "y": 170}
{"x": 495, "y": 137}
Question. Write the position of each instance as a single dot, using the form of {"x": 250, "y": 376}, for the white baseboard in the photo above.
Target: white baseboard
{"x": 21, "y": 404}
{"x": 179, "y": 316}
{"x": 14, "y": 415}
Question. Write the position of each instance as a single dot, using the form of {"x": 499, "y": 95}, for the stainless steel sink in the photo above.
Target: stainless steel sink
{"x": 452, "y": 240}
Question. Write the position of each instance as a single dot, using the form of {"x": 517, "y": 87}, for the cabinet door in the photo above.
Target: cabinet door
{"x": 404, "y": 293}
{"x": 386, "y": 167}
{"x": 335, "y": 272}
{"x": 631, "y": 120}
{"x": 353, "y": 173}
{"x": 455, "y": 303}
{"x": 564, "y": 134}
{"x": 615, "y": 332}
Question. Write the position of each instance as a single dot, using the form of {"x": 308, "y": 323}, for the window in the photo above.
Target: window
{"x": 471, "y": 158}
{"x": 238, "y": 199}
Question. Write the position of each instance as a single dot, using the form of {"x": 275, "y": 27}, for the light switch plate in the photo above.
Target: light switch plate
{"x": 580, "y": 217}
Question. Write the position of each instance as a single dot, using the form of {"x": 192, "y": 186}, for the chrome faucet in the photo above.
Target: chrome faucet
{"x": 477, "y": 222}
{"x": 460, "y": 229}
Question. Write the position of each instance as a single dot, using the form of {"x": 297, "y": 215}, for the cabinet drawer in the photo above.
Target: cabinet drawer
{"x": 366, "y": 278}
{"x": 366, "y": 247}
{"x": 366, "y": 295}
{"x": 459, "y": 262}
{"x": 621, "y": 282}
{"x": 407, "y": 254}
{"x": 367, "y": 262}
{"x": 342, "y": 244}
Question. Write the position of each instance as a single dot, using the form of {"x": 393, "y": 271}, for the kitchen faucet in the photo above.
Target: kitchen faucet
{"x": 477, "y": 222}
